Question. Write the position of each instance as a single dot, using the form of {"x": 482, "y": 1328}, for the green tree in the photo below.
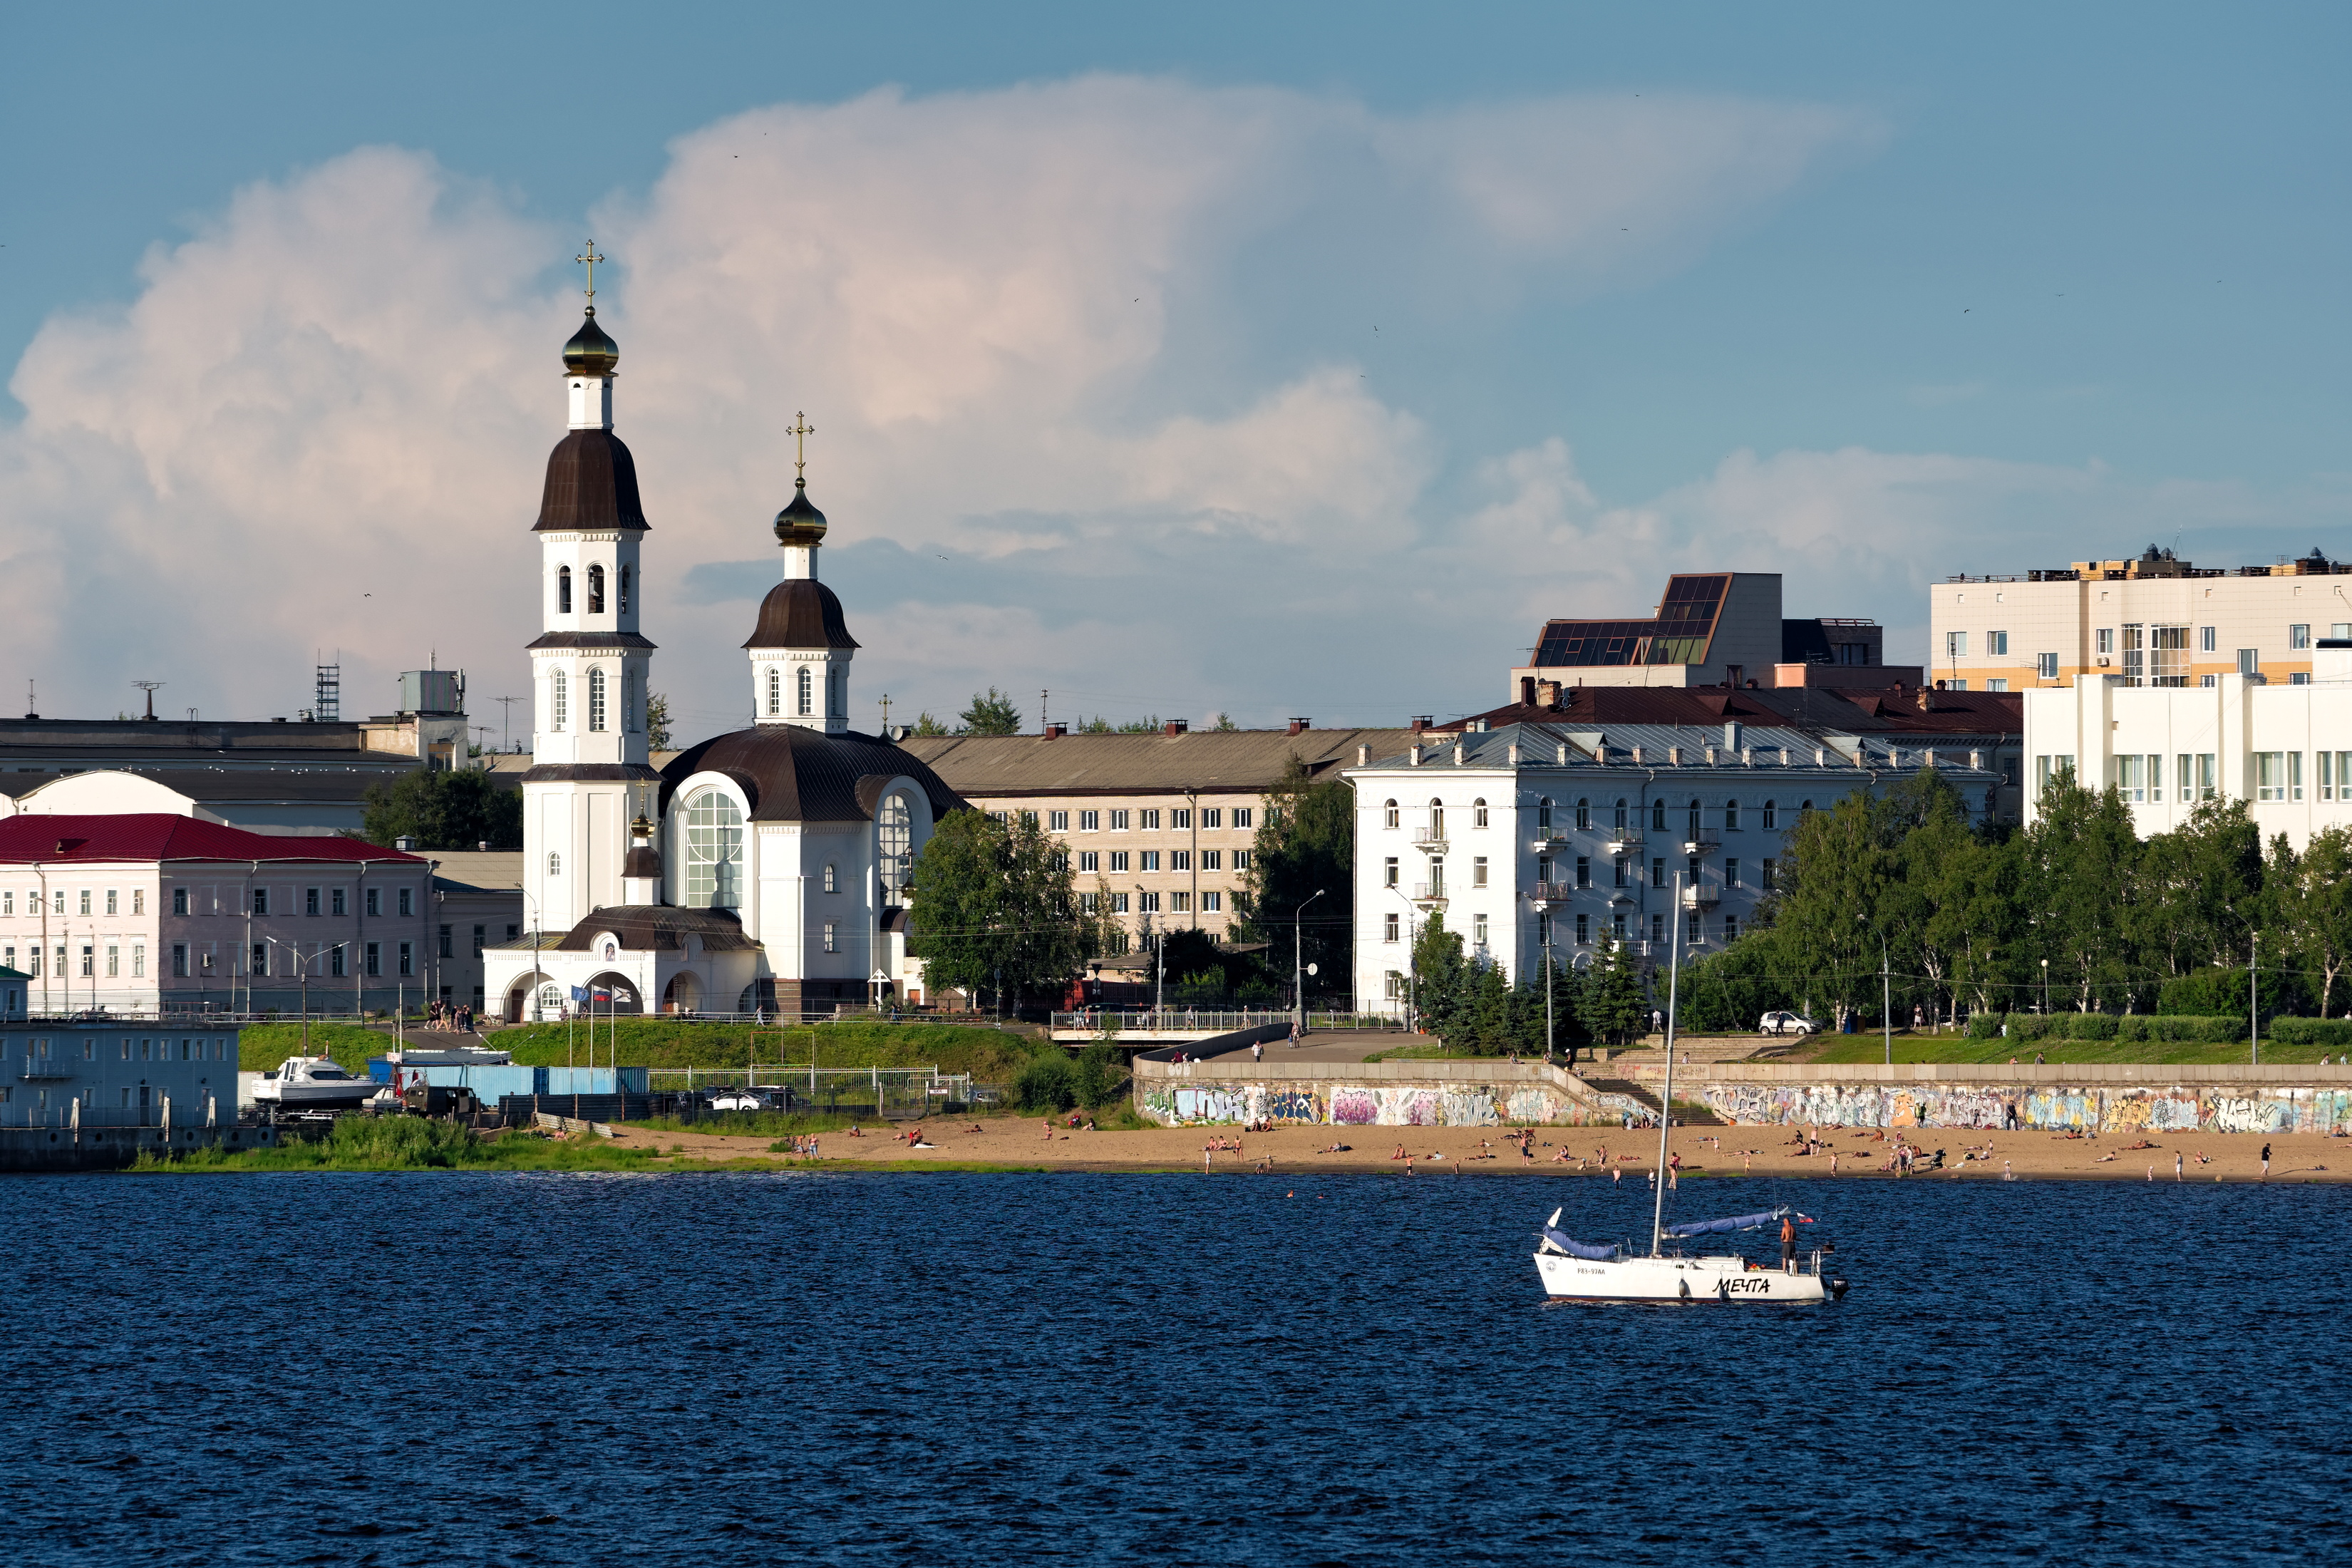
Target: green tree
{"x": 2316, "y": 912}
{"x": 2079, "y": 891}
{"x": 991, "y": 904}
{"x": 991, "y": 714}
{"x": 1614, "y": 1001}
{"x": 1440, "y": 976}
{"x": 1224, "y": 721}
{"x": 443, "y": 809}
{"x": 1306, "y": 843}
{"x": 1836, "y": 868}
{"x": 2199, "y": 890}
{"x": 926, "y": 725}
{"x": 657, "y": 721}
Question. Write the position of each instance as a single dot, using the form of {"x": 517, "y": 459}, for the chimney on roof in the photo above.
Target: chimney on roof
{"x": 1420, "y": 721}
{"x": 1975, "y": 760}
{"x": 1413, "y": 755}
{"x": 482, "y": 844}
{"x": 1547, "y": 693}
{"x": 1176, "y": 726}
{"x": 1298, "y": 724}
{"x": 1515, "y": 753}
{"x": 1927, "y": 700}
{"x": 1461, "y": 751}
{"x": 1560, "y": 755}
{"x": 1527, "y": 691}
{"x": 1731, "y": 735}
{"x": 1710, "y": 756}
{"x": 403, "y": 843}
{"x": 1056, "y": 732}
{"x": 1637, "y": 756}
{"x": 1674, "y": 756}
{"x": 1363, "y": 756}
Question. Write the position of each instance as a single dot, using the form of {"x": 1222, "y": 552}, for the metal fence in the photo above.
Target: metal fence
{"x": 890, "y": 1093}
{"x": 1209, "y": 1021}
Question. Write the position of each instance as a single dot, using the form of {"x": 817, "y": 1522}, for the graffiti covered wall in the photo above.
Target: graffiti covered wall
{"x": 2174, "y": 1109}
{"x": 1343, "y": 1104}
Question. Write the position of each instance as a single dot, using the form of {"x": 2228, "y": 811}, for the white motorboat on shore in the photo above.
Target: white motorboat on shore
{"x": 313, "y": 1083}
{"x": 1576, "y": 1270}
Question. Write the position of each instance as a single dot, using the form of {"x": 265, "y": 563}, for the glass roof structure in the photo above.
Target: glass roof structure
{"x": 1680, "y": 633}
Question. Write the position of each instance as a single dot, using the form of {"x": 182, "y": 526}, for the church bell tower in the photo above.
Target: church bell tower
{"x": 802, "y": 648}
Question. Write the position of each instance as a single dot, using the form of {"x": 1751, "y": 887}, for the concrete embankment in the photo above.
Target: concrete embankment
{"x": 94, "y": 1148}
{"x": 2119, "y": 1098}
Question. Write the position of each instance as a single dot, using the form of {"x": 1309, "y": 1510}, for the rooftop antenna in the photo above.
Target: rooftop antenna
{"x": 326, "y": 704}
{"x": 509, "y": 703}
{"x": 149, "y": 688}
{"x": 1041, "y": 711}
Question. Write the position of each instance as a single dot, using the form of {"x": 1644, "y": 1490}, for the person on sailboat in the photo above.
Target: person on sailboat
{"x": 1788, "y": 1245}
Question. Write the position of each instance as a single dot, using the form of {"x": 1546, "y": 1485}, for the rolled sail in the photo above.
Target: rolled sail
{"x": 1575, "y": 1248}
{"x": 1717, "y": 1226}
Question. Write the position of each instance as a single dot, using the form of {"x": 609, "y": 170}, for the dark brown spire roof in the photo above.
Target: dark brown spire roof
{"x": 591, "y": 483}
{"x": 801, "y": 613}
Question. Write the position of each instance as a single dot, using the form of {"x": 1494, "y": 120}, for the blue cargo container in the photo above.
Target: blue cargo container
{"x": 486, "y": 1081}
{"x": 594, "y": 1080}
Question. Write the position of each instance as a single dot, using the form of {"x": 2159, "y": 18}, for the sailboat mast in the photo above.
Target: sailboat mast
{"x": 1666, "y": 1099}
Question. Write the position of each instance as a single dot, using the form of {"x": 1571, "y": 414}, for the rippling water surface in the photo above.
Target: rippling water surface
{"x": 1158, "y": 1369}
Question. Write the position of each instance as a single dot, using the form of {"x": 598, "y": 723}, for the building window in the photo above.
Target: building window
{"x": 2270, "y": 775}
{"x": 449, "y": 940}
{"x": 1146, "y": 903}
{"x": 1730, "y": 929}
{"x": 1180, "y": 859}
{"x": 1146, "y": 860}
{"x": 1241, "y": 859}
{"x": 1997, "y": 684}
{"x": 89, "y": 971}
{"x": 1584, "y": 870}
{"x": 1389, "y": 923}
{"x": 1147, "y": 819}
{"x": 335, "y": 904}
{"x": 1658, "y": 872}
{"x": 1771, "y": 876}
{"x": 1478, "y": 813}
{"x": 1731, "y": 873}
{"x": 258, "y": 961}
{"x": 1623, "y": 868}
{"x": 407, "y": 901}
{"x": 1658, "y": 816}
{"x": 2298, "y": 636}
{"x": 1955, "y": 645}
{"x": 595, "y": 590}
{"x": 830, "y": 881}
{"x": 775, "y": 692}
{"x": 1059, "y": 821}
{"x": 2045, "y": 665}
{"x": 1089, "y": 821}
{"x": 1997, "y": 644}
{"x": 596, "y": 702}
{"x": 1213, "y": 859}
{"x": 1118, "y": 903}
{"x": 139, "y": 961}
{"x": 179, "y": 901}
{"x": 806, "y": 691}
{"x": 1478, "y": 871}
{"x": 2104, "y": 640}
{"x": 558, "y": 702}
{"x": 1389, "y": 872}
{"x": 1118, "y": 820}
{"x": 1583, "y": 929}
{"x": 563, "y": 589}
{"x": 335, "y": 960}
{"x": 2207, "y": 785}
{"x": 1090, "y": 902}
{"x": 1180, "y": 903}
{"x": 1657, "y": 928}
{"x": 1119, "y": 859}
{"x": 408, "y": 958}
{"x": 310, "y": 901}
{"x": 1696, "y": 932}
{"x": 554, "y": 868}
{"x": 1731, "y": 817}
{"x": 260, "y": 901}
{"x": 2207, "y": 639}
{"x": 1478, "y": 930}
{"x": 179, "y": 961}
{"x": 1388, "y": 814}
{"x": 110, "y": 901}
{"x": 1772, "y": 816}
{"x": 714, "y": 851}
{"x": 1241, "y": 817}
{"x": 831, "y": 937}
{"x": 1181, "y": 817}
{"x": 1089, "y": 860}
{"x": 624, "y": 591}
{"x": 1211, "y": 816}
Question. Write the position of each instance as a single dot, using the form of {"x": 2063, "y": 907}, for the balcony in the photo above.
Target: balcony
{"x": 1543, "y": 894}
{"x": 1624, "y": 840}
{"x": 47, "y": 1070}
{"x": 1702, "y": 841}
{"x": 1702, "y": 896}
{"x": 1430, "y": 840}
{"x": 1548, "y": 839}
{"x": 1430, "y": 893}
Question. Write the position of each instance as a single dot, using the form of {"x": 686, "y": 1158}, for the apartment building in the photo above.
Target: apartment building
{"x": 1160, "y": 827}
{"x": 2284, "y": 750}
{"x": 1534, "y": 837}
{"x": 2151, "y": 621}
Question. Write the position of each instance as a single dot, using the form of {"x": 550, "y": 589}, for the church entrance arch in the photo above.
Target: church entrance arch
{"x": 683, "y": 994}
{"x": 621, "y": 990}
{"x": 518, "y": 998}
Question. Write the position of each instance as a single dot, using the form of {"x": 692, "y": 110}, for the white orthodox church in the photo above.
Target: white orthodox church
{"x": 765, "y": 868}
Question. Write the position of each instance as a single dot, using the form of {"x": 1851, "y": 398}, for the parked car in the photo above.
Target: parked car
{"x": 749, "y": 1099}
{"x": 1781, "y": 1022}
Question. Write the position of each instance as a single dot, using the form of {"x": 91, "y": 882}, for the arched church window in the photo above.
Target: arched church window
{"x": 558, "y": 702}
{"x": 595, "y": 590}
{"x": 808, "y": 692}
{"x": 625, "y": 572}
{"x": 1388, "y": 814}
{"x": 775, "y": 692}
{"x": 563, "y": 589}
{"x": 1436, "y": 819}
{"x": 554, "y": 864}
{"x": 596, "y": 700}
{"x": 714, "y": 851}
{"x": 832, "y": 880}
{"x": 894, "y": 844}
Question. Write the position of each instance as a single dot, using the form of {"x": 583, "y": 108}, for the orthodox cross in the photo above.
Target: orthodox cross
{"x": 800, "y": 432}
{"x": 885, "y": 713}
{"x": 591, "y": 258}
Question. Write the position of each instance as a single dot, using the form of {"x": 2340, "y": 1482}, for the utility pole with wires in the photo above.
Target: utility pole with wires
{"x": 150, "y": 688}
{"x": 508, "y": 703}
{"x": 1041, "y": 711}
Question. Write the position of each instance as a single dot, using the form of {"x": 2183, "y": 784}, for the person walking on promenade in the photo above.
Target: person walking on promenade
{"x": 1258, "y": 1050}
{"x": 2266, "y": 1162}
{"x": 1788, "y": 1245}
{"x": 1293, "y": 1034}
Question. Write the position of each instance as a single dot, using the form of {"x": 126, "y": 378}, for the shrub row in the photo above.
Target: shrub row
{"x": 2309, "y": 1031}
{"x": 2129, "y": 1027}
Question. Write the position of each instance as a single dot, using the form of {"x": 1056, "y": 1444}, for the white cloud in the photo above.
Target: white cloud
{"x": 1039, "y": 331}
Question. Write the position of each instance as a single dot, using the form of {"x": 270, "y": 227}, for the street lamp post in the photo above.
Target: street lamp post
{"x": 2254, "y": 998}
{"x": 1541, "y": 900}
{"x": 2045, "y": 987}
{"x": 1298, "y": 958}
{"x": 1887, "y": 997}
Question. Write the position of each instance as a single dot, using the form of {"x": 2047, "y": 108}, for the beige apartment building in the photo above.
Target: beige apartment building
{"x": 1160, "y": 827}
{"x": 2152, "y": 621}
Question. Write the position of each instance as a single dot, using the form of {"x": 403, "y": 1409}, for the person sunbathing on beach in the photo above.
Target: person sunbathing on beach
{"x": 854, "y": 1131}
{"x": 1400, "y": 1154}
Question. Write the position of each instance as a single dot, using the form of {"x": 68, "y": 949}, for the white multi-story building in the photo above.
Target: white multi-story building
{"x": 2284, "y": 750}
{"x": 788, "y": 844}
{"x": 2150, "y": 621}
{"x": 1482, "y": 826}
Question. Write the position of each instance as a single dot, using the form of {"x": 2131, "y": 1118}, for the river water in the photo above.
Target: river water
{"x": 967, "y": 1368}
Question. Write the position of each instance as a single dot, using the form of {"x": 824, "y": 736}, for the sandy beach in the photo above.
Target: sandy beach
{"x": 1451, "y": 1151}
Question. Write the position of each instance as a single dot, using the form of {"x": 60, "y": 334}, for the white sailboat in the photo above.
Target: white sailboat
{"x": 1575, "y": 1270}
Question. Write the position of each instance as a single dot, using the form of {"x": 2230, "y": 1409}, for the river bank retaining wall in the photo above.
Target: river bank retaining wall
{"x": 2056, "y": 1097}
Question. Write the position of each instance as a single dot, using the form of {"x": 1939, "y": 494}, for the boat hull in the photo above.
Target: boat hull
{"x": 1678, "y": 1279}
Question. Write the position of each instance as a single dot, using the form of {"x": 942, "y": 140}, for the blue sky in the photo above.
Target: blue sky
{"x": 1897, "y": 292}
